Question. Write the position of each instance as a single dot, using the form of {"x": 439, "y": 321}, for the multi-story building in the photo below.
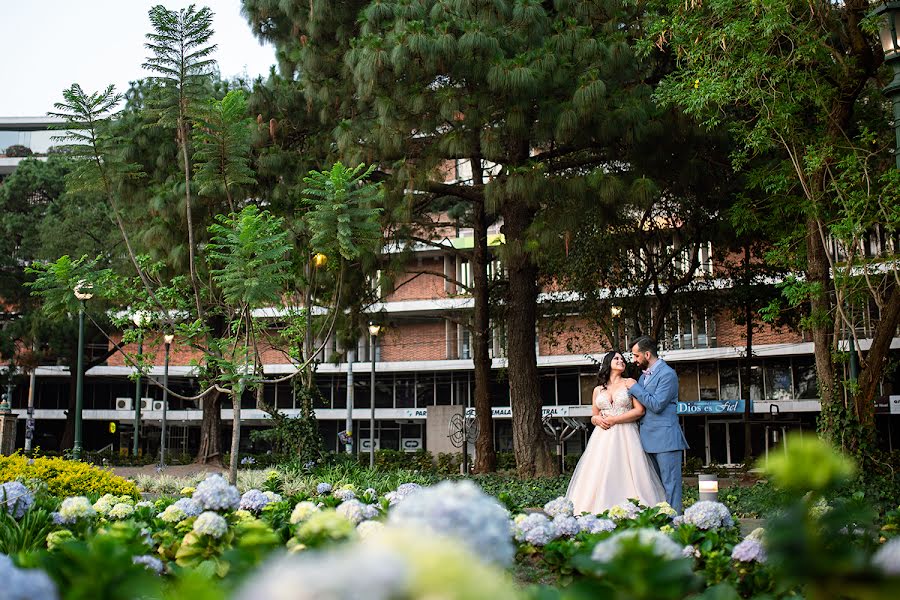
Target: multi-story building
{"x": 423, "y": 358}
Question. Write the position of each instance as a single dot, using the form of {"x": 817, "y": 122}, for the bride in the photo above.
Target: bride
{"x": 614, "y": 466}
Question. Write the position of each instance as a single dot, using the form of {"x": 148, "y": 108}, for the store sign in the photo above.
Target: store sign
{"x": 711, "y": 407}
{"x": 416, "y": 413}
{"x": 411, "y": 444}
{"x": 498, "y": 412}
{"x": 887, "y": 405}
{"x": 365, "y": 444}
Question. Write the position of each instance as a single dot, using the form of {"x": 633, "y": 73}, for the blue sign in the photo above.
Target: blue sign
{"x": 711, "y": 407}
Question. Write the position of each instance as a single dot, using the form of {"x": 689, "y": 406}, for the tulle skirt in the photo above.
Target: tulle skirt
{"x": 613, "y": 469}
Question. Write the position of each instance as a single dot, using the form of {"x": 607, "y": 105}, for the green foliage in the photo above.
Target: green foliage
{"x": 56, "y": 282}
{"x": 28, "y": 534}
{"x": 222, "y": 146}
{"x": 343, "y": 216}
{"x": 297, "y": 436}
{"x": 65, "y": 477}
{"x": 17, "y": 151}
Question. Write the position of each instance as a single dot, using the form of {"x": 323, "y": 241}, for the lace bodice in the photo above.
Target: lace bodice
{"x": 617, "y": 405}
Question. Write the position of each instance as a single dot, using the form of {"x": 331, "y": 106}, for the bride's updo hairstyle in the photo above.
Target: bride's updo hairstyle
{"x": 606, "y": 368}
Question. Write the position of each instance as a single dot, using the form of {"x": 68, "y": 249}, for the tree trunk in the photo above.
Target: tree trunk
{"x": 876, "y": 359}
{"x": 235, "y": 434}
{"x": 210, "y": 451}
{"x": 485, "y": 455}
{"x": 532, "y": 448}
{"x": 817, "y": 273}
{"x": 745, "y": 388}
{"x": 68, "y": 438}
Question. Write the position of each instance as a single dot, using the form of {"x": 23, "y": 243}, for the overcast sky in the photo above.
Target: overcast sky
{"x": 50, "y": 44}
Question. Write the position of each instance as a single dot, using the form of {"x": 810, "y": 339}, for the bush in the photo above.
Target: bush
{"x": 18, "y": 151}
{"x": 65, "y": 477}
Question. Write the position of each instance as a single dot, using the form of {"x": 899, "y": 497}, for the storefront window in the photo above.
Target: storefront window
{"x": 688, "y": 390}
{"x": 443, "y": 392}
{"x": 405, "y": 391}
{"x": 548, "y": 388}
{"x": 384, "y": 392}
{"x": 778, "y": 380}
{"x": 567, "y": 388}
{"x": 729, "y": 382}
{"x": 424, "y": 389}
{"x": 709, "y": 381}
{"x": 340, "y": 392}
{"x": 806, "y": 384}
{"x": 756, "y": 383}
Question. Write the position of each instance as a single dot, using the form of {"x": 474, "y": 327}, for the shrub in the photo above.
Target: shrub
{"x": 18, "y": 151}
{"x": 65, "y": 477}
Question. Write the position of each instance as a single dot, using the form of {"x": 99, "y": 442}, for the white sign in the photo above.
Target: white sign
{"x": 505, "y": 412}
{"x": 365, "y": 444}
{"x": 411, "y": 444}
{"x": 416, "y": 413}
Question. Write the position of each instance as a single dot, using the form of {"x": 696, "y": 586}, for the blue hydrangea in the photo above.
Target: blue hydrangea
{"x": 16, "y": 497}
{"x": 566, "y": 526}
{"x": 462, "y": 510}
{"x": 25, "y": 584}
{"x": 708, "y": 515}
{"x": 749, "y": 550}
{"x": 690, "y": 552}
{"x": 215, "y": 493}
{"x": 211, "y": 524}
{"x": 404, "y": 490}
{"x": 352, "y": 510}
{"x": 887, "y": 558}
{"x": 323, "y": 488}
{"x": 535, "y": 529}
{"x": 344, "y": 493}
{"x": 254, "y": 501}
{"x": 189, "y": 506}
{"x": 657, "y": 542}
{"x": 149, "y": 561}
{"x": 560, "y": 506}
{"x": 593, "y": 524}
{"x": 248, "y": 460}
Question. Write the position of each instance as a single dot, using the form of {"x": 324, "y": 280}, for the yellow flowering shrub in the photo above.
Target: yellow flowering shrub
{"x": 66, "y": 477}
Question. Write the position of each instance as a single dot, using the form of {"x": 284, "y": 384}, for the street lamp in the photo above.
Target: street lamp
{"x": 374, "y": 330}
{"x": 139, "y": 318}
{"x": 887, "y": 26}
{"x": 165, "y": 400}
{"x": 615, "y": 311}
{"x": 83, "y": 291}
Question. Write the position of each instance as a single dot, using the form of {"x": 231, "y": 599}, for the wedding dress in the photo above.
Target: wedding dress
{"x": 614, "y": 466}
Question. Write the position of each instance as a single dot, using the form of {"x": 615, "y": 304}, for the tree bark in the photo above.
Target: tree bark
{"x": 210, "y": 451}
{"x": 820, "y": 305}
{"x": 748, "y": 365}
{"x": 876, "y": 358}
{"x": 235, "y": 435}
{"x": 485, "y": 455}
{"x": 530, "y": 443}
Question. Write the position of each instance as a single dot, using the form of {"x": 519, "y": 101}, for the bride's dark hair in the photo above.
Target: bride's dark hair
{"x": 606, "y": 368}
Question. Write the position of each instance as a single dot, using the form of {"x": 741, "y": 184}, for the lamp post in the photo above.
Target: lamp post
{"x": 887, "y": 28}
{"x": 374, "y": 330}
{"x": 615, "y": 311}
{"x": 83, "y": 291}
{"x": 140, "y": 319}
{"x": 165, "y": 400}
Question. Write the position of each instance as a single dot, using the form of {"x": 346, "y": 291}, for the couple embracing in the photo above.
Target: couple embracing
{"x": 635, "y": 449}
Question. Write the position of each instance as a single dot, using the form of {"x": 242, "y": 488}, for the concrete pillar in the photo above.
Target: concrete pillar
{"x": 8, "y": 433}
{"x": 437, "y": 429}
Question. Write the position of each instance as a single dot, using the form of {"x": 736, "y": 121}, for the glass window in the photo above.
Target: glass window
{"x": 461, "y": 389}
{"x": 384, "y": 391}
{"x": 729, "y": 382}
{"x": 567, "y": 388}
{"x": 688, "y": 390}
{"x": 756, "y": 383}
{"x": 405, "y": 390}
{"x": 361, "y": 394}
{"x": 340, "y": 392}
{"x": 424, "y": 389}
{"x": 443, "y": 394}
{"x": 323, "y": 399}
{"x": 778, "y": 380}
{"x": 709, "y": 381}
{"x": 499, "y": 392}
{"x": 548, "y": 388}
{"x": 806, "y": 383}
{"x": 588, "y": 383}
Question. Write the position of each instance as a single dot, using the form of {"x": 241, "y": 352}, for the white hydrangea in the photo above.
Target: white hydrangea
{"x": 708, "y": 515}
{"x": 189, "y": 506}
{"x": 462, "y": 510}
{"x": 626, "y": 510}
{"x": 758, "y": 534}
{"x": 172, "y": 514}
{"x": 272, "y": 496}
{"x": 887, "y": 558}
{"x": 367, "y": 529}
{"x": 211, "y": 524}
{"x": 144, "y": 504}
{"x": 352, "y": 510}
{"x": 593, "y": 524}
{"x": 25, "y": 584}
{"x": 559, "y": 506}
{"x": 535, "y": 529}
{"x": 149, "y": 561}
{"x": 344, "y": 493}
{"x": 302, "y": 511}
{"x": 121, "y": 510}
{"x": 253, "y": 501}
{"x": 749, "y": 550}
{"x": 215, "y": 493}
{"x": 74, "y": 508}
{"x": 404, "y": 490}
{"x": 690, "y": 552}
{"x": 566, "y": 525}
{"x": 665, "y": 509}
{"x": 659, "y": 543}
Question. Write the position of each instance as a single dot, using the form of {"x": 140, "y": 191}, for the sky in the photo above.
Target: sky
{"x": 50, "y": 44}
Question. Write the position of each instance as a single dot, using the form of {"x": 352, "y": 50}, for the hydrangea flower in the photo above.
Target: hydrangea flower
{"x": 370, "y": 511}
{"x": 149, "y": 561}
{"x": 172, "y": 514}
{"x": 369, "y": 528}
{"x": 404, "y": 490}
{"x": 460, "y": 509}
{"x": 248, "y": 460}
{"x": 560, "y": 506}
{"x": 74, "y": 508}
{"x": 887, "y": 558}
{"x": 758, "y": 534}
{"x": 323, "y": 488}
{"x": 708, "y": 515}
{"x": 215, "y": 493}
{"x": 326, "y": 523}
{"x": 535, "y": 529}
{"x": 253, "y": 501}
{"x": 16, "y": 497}
{"x": 211, "y": 524}
{"x": 272, "y": 496}
{"x": 302, "y": 511}
{"x": 121, "y": 510}
{"x": 188, "y": 506}
{"x": 678, "y": 521}
{"x": 344, "y": 493}
{"x": 690, "y": 552}
{"x": 659, "y": 543}
{"x": 626, "y": 510}
{"x": 55, "y": 538}
{"x": 105, "y": 503}
{"x": 566, "y": 525}
{"x": 25, "y": 584}
{"x": 749, "y": 550}
{"x": 352, "y": 510}
{"x": 593, "y": 524}
{"x": 144, "y": 504}
{"x": 187, "y": 490}
{"x": 665, "y": 509}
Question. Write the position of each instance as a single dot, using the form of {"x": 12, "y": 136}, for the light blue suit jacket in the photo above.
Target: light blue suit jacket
{"x": 660, "y": 431}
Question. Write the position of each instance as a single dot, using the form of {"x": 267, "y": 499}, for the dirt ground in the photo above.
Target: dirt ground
{"x": 173, "y": 470}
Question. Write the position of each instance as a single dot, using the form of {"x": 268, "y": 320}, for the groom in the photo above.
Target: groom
{"x": 661, "y": 434}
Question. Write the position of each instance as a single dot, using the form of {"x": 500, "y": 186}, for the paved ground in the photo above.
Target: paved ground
{"x": 173, "y": 470}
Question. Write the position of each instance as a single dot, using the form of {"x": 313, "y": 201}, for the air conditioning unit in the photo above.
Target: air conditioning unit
{"x": 147, "y": 404}
{"x": 158, "y": 405}
{"x": 123, "y": 404}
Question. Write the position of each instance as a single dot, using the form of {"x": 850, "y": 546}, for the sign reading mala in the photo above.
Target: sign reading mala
{"x": 463, "y": 431}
